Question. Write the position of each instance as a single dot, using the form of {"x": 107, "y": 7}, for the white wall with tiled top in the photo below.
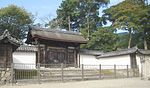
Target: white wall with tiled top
{"x": 108, "y": 62}
{"x": 26, "y": 58}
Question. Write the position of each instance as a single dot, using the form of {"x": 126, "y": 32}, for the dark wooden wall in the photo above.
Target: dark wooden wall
{"x": 5, "y": 55}
{"x": 57, "y": 55}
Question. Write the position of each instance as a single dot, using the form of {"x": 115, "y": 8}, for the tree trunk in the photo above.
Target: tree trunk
{"x": 130, "y": 39}
{"x": 69, "y": 27}
{"x": 88, "y": 28}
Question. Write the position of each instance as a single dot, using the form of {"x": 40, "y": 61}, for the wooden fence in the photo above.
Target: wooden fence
{"x": 39, "y": 73}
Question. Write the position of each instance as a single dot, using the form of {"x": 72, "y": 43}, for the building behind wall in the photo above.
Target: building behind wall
{"x": 8, "y": 45}
{"x": 54, "y": 46}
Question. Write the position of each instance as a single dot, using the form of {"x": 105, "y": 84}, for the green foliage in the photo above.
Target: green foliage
{"x": 124, "y": 15}
{"x": 67, "y": 8}
{"x": 16, "y": 20}
{"x": 132, "y": 16}
{"x": 79, "y": 12}
{"x": 122, "y": 41}
{"x": 84, "y": 17}
{"x": 144, "y": 22}
{"x": 103, "y": 39}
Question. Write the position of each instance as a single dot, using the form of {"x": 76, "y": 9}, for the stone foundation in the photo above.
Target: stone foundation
{"x": 5, "y": 75}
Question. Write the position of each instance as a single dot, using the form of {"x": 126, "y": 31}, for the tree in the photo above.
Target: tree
{"x": 54, "y": 24}
{"x": 144, "y": 20}
{"x": 68, "y": 13}
{"x": 124, "y": 16}
{"x": 15, "y": 20}
{"x": 122, "y": 41}
{"x": 80, "y": 14}
{"x": 103, "y": 39}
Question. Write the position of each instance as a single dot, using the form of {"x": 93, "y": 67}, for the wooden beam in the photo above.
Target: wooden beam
{"x": 11, "y": 56}
{"x": 74, "y": 57}
{"x": 79, "y": 55}
{"x": 38, "y": 45}
{"x": 67, "y": 60}
{"x": 45, "y": 54}
{"x": 5, "y": 56}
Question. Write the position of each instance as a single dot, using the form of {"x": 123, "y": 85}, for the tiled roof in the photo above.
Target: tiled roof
{"x": 26, "y": 48}
{"x": 6, "y": 34}
{"x": 56, "y": 35}
{"x": 10, "y": 39}
{"x": 146, "y": 52}
{"x": 90, "y": 52}
{"x": 118, "y": 53}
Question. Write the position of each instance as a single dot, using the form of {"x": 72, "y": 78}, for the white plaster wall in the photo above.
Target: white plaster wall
{"x": 146, "y": 67}
{"x": 117, "y": 60}
{"x": 122, "y": 62}
{"x": 138, "y": 63}
{"x": 88, "y": 60}
{"x": 106, "y": 63}
{"x": 24, "y": 60}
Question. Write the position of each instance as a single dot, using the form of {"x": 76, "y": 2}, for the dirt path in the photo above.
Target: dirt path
{"x": 113, "y": 83}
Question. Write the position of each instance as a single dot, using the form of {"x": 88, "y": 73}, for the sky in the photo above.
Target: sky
{"x": 40, "y": 8}
{"x": 43, "y": 9}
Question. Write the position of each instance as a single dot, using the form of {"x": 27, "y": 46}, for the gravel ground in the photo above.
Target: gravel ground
{"x": 112, "y": 83}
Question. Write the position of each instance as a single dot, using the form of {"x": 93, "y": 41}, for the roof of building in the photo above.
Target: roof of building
{"x": 26, "y": 48}
{"x": 90, "y": 52}
{"x": 6, "y": 35}
{"x": 118, "y": 53}
{"x": 56, "y": 35}
{"x": 145, "y": 52}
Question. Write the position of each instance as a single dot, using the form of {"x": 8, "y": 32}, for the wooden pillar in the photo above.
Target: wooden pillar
{"x": 38, "y": 52}
{"x": 127, "y": 71}
{"x": 62, "y": 72}
{"x": 82, "y": 72}
{"x": 75, "y": 56}
{"x": 66, "y": 55}
{"x": 115, "y": 74}
{"x": 45, "y": 54}
{"x": 38, "y": 46}
{"x": 79, "y": 54}
{"x": 100, "y": 71}
{"x": 11, "y": 55}
{"x": 12, "y": 73}
{"x": 38, "y": 73}
{"x": 5, "y": 56}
